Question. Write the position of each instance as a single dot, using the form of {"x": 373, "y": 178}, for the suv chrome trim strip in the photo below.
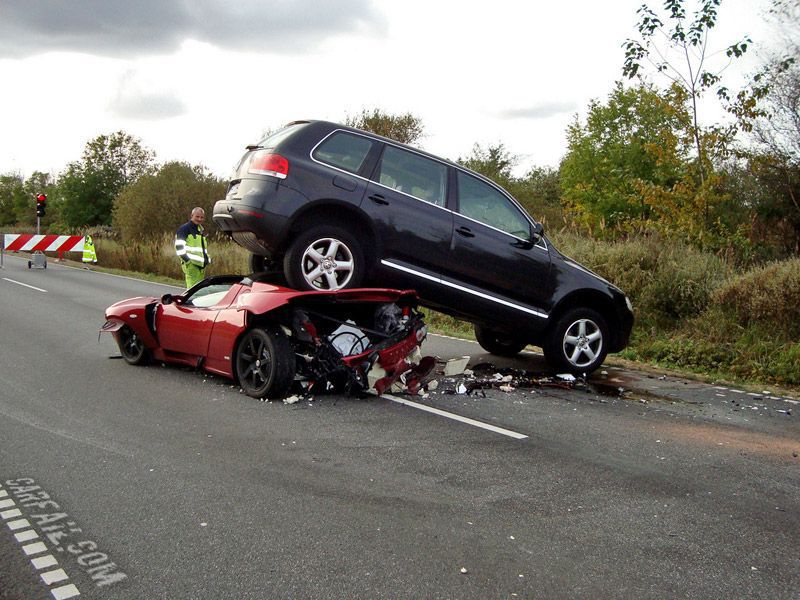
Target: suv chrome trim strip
{"x": 536, "y": 313}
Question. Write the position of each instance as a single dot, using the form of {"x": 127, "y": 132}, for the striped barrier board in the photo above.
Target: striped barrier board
{"x": 28, "y": 242}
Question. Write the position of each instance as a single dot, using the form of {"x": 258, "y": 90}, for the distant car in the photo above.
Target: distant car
{"x": 269, "y": 338}
{"x": 324, "y": 206}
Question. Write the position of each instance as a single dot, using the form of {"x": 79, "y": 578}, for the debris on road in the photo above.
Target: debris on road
{"x": 455, "y": 366}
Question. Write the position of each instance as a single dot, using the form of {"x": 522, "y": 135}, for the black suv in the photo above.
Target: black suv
{"x": 328, "y": 206}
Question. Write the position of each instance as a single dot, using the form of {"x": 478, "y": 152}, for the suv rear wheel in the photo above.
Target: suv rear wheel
{"x": 578, "y": 341}
{"x": 324, "y": 258}
{"x": 498, "y": 342}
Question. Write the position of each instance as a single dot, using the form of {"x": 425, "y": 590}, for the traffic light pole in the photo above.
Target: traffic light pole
{"x": 39, "y": 259}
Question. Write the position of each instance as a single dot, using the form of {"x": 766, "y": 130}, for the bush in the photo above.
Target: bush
{"x": 667, "y": 281}
{"x": 683, "y": 283}
{"x": 157, "y": 256}
{"x": 158, "y": 204}
{"x": 769, "y": 296}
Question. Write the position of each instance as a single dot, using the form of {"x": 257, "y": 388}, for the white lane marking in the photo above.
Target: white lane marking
{"x": 33, "y": 287}
{"x": 10, "y": 514}
{"x": 44, "y": 561}
{"x": 35, "y": 548}
{"x": 3, "y": 493}
{"x": 52, "y": 577}
{"x": 18, "y": 524}
{"x": 7, "y": 503}
{"x": 64, "y": 592}
{"x": 26, "y": 536}
{"x": 468, "y": 421}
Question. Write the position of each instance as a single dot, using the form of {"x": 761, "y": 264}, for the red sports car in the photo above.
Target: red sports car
{"x": 268, "y": 337}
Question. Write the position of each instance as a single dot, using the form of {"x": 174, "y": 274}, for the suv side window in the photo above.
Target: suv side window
{"x": 343, "y": 150}
{"x": 413, "y": 174}
{"x": 481, "y": 202}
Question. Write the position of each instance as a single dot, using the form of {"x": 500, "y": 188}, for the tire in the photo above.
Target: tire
{"x": 132, "y": 347}
{"x": 497, "y": 342}
{"x": 324, "y": 258}
{"x": 264, "y": 364}
{"x": 578, "y": 342}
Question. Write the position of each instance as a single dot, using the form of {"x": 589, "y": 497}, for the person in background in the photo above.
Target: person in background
{"x": 89, "y": 253}
{"x": 191, "y": 247}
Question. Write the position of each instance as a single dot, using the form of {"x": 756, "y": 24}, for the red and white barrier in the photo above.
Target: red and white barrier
{"x": 28, "y": 242}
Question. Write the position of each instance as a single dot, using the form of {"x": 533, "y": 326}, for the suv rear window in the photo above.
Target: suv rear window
{"x": 275, "y": 138}
{"x": 343, "y": 150}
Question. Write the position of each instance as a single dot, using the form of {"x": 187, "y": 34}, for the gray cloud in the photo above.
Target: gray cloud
{"x": 124, "y": 28}
{"x": 543, "y": 110}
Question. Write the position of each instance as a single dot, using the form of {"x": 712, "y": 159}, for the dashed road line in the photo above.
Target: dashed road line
{"x": 36, "y": 550}
{"x": 766, "y": 395}
{"x": 64, "y": 592}
{"x": 26, "y": 536}
{"x": 43, "y": 562}
{"x": 18, "y": 524}
{"x": 455, "y": 417}
{"x": 33, "y": 287}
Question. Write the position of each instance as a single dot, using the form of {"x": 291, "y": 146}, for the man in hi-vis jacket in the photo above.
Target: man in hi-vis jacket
{"x": 190, "y": 245}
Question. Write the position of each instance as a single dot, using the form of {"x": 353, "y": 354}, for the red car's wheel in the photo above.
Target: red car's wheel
{"x": 264, "y": 364}
{"x": 132, "y": 347}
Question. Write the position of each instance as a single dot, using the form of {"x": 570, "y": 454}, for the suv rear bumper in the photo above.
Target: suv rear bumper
{"x": 261, "y": 208}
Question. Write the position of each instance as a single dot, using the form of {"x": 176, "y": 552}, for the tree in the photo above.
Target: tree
{"x": 11, "y": 193}
{"x": 628, "y": 151}
{"x": 89, "y": 187}
{"x": 539, "y": 191}
{"x": 405, "y": 128}
{"x": 769, "y": 109}
{"x": 159, "y": 203}
{"x": 678, "y": 49}
{"x": 494, "y": 162}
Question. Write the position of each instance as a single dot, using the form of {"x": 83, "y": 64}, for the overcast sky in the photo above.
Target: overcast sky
{"x": 198, "y": 81}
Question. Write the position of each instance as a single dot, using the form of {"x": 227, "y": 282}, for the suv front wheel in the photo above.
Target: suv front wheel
{"x": 324, "y": 258}
{"x": 578, "y": 341}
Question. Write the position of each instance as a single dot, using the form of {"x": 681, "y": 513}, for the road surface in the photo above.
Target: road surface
{"x": 162, "y": 482}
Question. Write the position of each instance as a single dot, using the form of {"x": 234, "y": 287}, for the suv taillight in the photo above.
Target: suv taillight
{"x": 264, "y": 162}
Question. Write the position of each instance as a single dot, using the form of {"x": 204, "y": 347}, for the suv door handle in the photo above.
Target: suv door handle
{"x": 465, "y": 231}
{"x": 378, "y": 199}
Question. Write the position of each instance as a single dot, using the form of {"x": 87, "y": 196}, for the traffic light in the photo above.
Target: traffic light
{"x": 41, "y": 205}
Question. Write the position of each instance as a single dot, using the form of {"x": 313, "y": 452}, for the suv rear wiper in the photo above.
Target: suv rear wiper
{"x": 254, "y": 147}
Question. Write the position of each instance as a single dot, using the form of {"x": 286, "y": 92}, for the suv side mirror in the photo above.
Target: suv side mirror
{"x": 537, "y": 232}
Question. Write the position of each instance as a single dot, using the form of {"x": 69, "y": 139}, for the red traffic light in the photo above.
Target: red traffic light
{"x": 41, "y": 198}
